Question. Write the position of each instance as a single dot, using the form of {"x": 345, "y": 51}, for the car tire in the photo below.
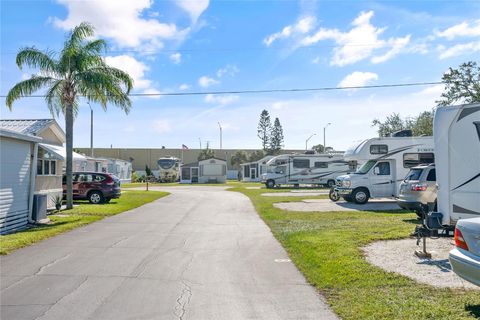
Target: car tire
{"x": 107, "y": 200}
{"x": 360, "y": 196}
{"x": 333, "y": 195}
{"x": 330, "y": 183}
{"x": 270, "y": 184}
{"x": 96, "y": 197}
{"x": 348, "y": 198}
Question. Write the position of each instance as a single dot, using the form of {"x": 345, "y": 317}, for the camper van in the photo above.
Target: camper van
{"x": 297, "y": 169}
{"x": 382, "y": 164}
{"x": 169, "y": 169}
{"x": 456, "y": 132}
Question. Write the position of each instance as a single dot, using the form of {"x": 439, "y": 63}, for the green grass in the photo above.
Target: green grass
{"x": 326, "y": 247}
{"x": 84, "y": 213}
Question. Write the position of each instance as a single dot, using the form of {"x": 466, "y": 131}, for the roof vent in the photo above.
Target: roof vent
{"x": 310, "y": 152}
{"x": 402, "y": 133}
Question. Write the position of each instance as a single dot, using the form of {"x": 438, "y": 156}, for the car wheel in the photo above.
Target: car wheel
{"x": 330, "y": 183}
{"x": 95, "y": 197}
{"x": 107, "y": 200}
{"x": 360, "y": 196}
{"x": 348, "y": 198}
{"x": 270, "y": 184}
{"x": 333, "y": 195}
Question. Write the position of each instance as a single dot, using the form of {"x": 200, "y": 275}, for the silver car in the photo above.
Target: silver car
{"x": 418, "y": 191}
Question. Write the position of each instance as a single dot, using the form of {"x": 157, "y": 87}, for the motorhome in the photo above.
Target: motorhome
{"x": 169, "y": 169}
{"x": 297, "y": 169}
{"x": 252, "y": 171}
{"x": 456, "y": 132}
{"x": 382, "y": 165}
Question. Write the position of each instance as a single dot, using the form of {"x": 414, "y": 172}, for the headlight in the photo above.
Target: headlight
{"x": 347, "y": 183}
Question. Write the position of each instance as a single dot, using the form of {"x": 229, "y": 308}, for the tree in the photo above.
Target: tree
{"x": 276, "y": 137}
{"x": 392, "y": 123}
{"x": 461, "y": 85}
{"x": 263, "y": 129}
{"x": 318, "y": 148}
{"x": 77, "y": 71}
{"x": 420, "y": 125}
{"x": 148, "y": 171}
{"x": 206, "y": 153}
{"x": 256, "y": 155}
{"x": 423, "y": 124}
{"x": 238, "y": 158}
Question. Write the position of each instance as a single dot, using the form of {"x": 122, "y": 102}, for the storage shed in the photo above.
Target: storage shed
{"x": 18, "y": 156}
{"x": 211, "y": 170}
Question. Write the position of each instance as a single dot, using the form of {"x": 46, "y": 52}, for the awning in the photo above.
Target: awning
{"x": 60, "y": 152}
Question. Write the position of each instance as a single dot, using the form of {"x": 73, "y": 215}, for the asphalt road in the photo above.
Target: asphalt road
{"x": 200, "y": 253}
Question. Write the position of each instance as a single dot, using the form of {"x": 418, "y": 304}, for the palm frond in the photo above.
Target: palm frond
{"x": 26, "y": 88}
{"x": 34, "y": 58}
{"x": 54, "y": 97}
{"x": 81, "y": 32}
{"x": 96, "y": 46}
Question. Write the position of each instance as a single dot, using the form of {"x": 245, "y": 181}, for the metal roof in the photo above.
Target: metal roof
{"x": 28, "y": 126}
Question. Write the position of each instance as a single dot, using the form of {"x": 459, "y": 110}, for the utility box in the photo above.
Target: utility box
{"x": 39, "y": 211}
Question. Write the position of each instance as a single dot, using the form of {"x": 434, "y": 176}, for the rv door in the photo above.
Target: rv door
{"x": 382, "y": 179}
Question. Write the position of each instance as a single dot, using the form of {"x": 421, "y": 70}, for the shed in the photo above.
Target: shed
{"x": 211, "y": 170}
{"x": 252, "y": 171}
{"x": 18, "y": 155}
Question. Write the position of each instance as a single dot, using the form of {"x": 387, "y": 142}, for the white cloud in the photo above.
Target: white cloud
{"x": 193, "y": 7}
{"x": 136, "y": 69}
{"x": 221, "y": 99}
{"x": 302, "y": 26}
{"x": 152, "y": 93}
{"x": 397, "y": 46}
{"x": 123, "y": 21}
{"x": 435, "y": 90}
{"x": 206, "y": 81}
{"x": 161, "y": 126}
{"x": 357, "y": 79}
{"x": 463, "y": 29}
{"x": 229, "y": 70}
{"x": 459, "y": 49}
{"x": 316, "y": 60}
{"x": 176, "y": 57}
{"x": 184, "y": 86}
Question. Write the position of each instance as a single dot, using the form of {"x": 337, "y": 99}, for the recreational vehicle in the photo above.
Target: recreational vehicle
{"x": 384, "y": 164}
{"x": 456, "y": 132}
{"x": 252, "y": 171}
{"x": 122, "y": 169}
{"x": 169, "y": 169}
{"x": 297, "y": 169}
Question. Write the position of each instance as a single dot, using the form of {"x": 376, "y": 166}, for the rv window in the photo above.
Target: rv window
{"x": 432, "y": 176}
{"x": 321, "y": 164}
{"x": 301, "y": 163}
{"x": 414, "y": 159}
{"x": 378, "y": 149}
{"x": 384, "y": 168}
{"x": 352, "y": 165}
{"x": 477, "y": 125}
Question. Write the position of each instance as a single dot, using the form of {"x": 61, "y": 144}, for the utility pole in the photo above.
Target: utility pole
{"x": 220, "y": 126}
{"x": 200, "y": 141}
{"x": 91, "y": 129}
{"x": 306, "y": 141}
{"x": 324, "y": 142}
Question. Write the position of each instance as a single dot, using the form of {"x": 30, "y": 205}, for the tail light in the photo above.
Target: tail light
{"x": 109, "y": 181}
{"x": 419, "y": 187}
{"x": 459, "y": 240}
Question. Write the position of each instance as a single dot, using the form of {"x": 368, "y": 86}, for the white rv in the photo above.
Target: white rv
{"x": 122, "y": 169}
{"x": 252, "y": 171}
{"x": 456, "y": 132}
{"x": 297, "y": 169}
{"x": 383, "y": 163}
{"x": 169, "y": 169}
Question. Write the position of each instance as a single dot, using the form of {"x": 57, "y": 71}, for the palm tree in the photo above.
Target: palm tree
{"x": 78, "y": 71}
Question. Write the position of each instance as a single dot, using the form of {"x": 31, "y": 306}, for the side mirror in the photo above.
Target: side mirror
{"x": 376, "y": 170}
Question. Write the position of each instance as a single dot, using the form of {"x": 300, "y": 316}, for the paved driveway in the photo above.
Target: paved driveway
{"x": 200, "y": 253}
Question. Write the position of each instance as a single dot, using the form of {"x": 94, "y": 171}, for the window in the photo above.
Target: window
{"x": 384, "y": 168}
{"x": 378, "y": 149}
{"x": 98, "y": 178}
{"x": 46, "y": 167}
{"x": 246, "y": 171}
{"x": 414, "y": 174}
{"x": 301, "y": 163}
{"x": 432, "y": 175}
{"x": 321, "y": 164}
{"x": 414, "y": 159}
{"x": 352, "y": 165}
{"x": 84, "y": 178}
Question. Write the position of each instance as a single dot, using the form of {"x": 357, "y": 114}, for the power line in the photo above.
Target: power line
{"x": 395, "y": 85}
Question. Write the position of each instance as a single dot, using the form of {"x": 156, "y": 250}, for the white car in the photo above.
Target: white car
{"x": 465, "y": 258}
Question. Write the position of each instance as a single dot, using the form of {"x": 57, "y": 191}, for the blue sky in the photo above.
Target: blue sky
{"x": 201, "y": 46}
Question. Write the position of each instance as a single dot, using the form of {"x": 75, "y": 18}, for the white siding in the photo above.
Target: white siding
{"x": 15, "y": 160}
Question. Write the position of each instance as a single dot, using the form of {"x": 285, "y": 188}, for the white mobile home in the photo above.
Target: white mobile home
{"x": 122, "y": 169}
{"x": 456, "y": 132}
{"x": 384, "y": 164}
{"x": 18, "y": 157}
{"x": 297, "y": 169}
{"x": 252, "y": 171}
{"x": 211, "y": 170}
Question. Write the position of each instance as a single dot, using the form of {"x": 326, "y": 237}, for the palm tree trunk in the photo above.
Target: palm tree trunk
{"x": 69, "y": 164}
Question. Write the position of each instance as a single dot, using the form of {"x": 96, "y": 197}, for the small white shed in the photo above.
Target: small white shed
{"x": 18, "y": 153}
{"x": 211, "y": 170}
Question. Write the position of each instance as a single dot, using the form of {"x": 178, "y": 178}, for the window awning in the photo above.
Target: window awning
{"x": 60, "y": 152}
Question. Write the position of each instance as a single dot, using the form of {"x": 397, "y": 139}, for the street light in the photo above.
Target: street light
{"x": 324, "y": 143}
{"x": 220, "y": 126}
{"x": 306, "y": 141}
{"x": 91, "y": 129}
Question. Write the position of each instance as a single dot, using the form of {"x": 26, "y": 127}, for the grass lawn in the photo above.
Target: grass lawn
{"x": 80, "y": 215}
{"x": 326, "y": 249}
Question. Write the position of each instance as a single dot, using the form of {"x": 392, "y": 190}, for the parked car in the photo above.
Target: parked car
{"x": 465, "y": 258}
{"x": 95, "y": 187}
{"x": 418, "y": 191}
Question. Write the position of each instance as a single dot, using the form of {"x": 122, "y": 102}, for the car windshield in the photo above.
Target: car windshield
{"x": 366, "y": 167}
{"x": 166, "y": 163}
{"x": 414, "y": 174}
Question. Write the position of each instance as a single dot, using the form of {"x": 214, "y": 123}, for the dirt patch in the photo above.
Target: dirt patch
{"x": 325, "y": 205}
{"x": 398, "y": 256}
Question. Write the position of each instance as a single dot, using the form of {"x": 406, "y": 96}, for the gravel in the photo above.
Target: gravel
{"x": 398, "y": 256}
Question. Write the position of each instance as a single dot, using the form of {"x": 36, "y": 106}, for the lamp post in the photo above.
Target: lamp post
{"x": 324, "y": 143}
{"x": 306, "y": 141}
{"x": 220, "y": 126}
{"x": 91, "y": 129}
